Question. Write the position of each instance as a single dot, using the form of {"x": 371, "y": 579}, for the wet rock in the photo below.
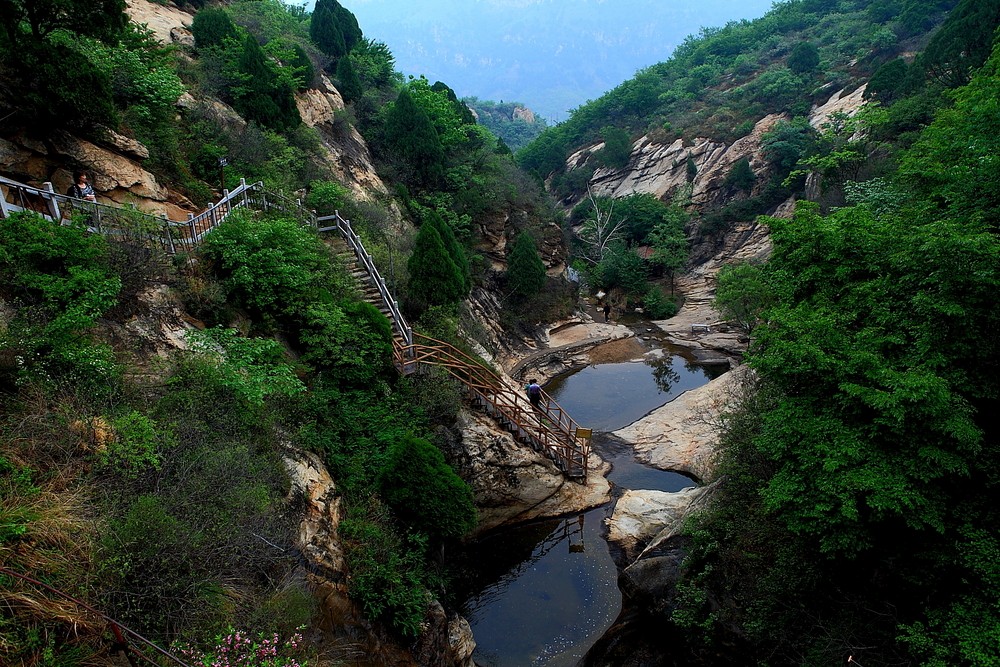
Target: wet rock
{"x": 445, "y": 640}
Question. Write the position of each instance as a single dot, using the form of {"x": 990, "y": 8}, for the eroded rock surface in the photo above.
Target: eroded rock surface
{"x": 512, "y": 482}
{"x": 682, "y": 435}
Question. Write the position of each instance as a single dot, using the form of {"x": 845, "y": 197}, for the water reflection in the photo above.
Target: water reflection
{"x": 606, "y": 397}
{"x": 550, "y": 607}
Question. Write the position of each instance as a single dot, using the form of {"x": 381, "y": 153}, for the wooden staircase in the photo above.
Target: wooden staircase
{"x": 547, "y": 428}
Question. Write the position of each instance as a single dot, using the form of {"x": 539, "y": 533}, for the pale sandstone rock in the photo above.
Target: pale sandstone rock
{"x": 838, "y": 102}
{"x": 683, "y": 434}
{"x": 661, "y": 169}
{"x": 161, "y": 19}
{"x": 114, "y": 176}
{"x": 317, "y": 537}
{"x": 128, "y": 146}
{"x": 642, "y": 515}
{"x": 343, "y": 149}
{"x": 513, "y": 483}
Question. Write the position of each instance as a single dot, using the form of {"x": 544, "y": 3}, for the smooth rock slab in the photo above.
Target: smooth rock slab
{"x": 683, "y": 434}
{"x": 640, "y": 516}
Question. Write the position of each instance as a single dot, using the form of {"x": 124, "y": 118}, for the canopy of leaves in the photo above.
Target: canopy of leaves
{"x": 435, "y": 279}
{"x": 425, "y": 492}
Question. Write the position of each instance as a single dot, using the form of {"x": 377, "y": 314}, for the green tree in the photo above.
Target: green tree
{"x": 435, "y": 280}
{"x": 411, "y": 137}
{"x": 348, "y": 82}
{"x": 333, "y": 29}
{"x": 670, "y": 246}
{"x": 525, "y": 270}
{"x": 617, "y": 148}
{"x": 803, "y": 58}
{"x": 963, "y": 43}
{"x": 741, "y": 175}
{"x": 262, "y": 96}
{"x": 622, "y": 268}
{"x": 451, "y": 244}
{"x": 34, "y": 20}
{"x": 743, "y": 294}
{"x": 212, "y": 27}
{"x": 424, "y": 492}
{"x": 887, "y": 82}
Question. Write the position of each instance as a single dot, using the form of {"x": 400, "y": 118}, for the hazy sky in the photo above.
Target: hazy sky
{"x": 552, "y": 55}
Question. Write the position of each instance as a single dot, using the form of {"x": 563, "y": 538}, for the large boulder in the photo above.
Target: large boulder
{"x": 511, "y": 482}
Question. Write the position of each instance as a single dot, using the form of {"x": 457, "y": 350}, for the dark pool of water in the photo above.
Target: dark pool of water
{"x": 606, "y": 397}
{"x": 543, "y": 593}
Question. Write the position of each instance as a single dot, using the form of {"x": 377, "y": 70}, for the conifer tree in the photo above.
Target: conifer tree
{"x": 348, "y": 82}
{"x": 454, "y": 248}
{"x": 264, "y": 98}
{"x": 411, "y": 137}
{"x": 324, "y": 30}
{"x": 334, "y": 29}
{"x": 435, "y": 280}
{"x": 525, "y": 270}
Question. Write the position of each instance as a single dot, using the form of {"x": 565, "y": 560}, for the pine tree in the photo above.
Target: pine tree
{"x": 435, "y": 280}
{"x": 525, "y": 270}
{"x": 324, "y": 29}
{"x": 454, "y": 248}
{"x": 264, "y": 98}
{"x": 348, "y": 82}
{"x": 411, "y": 137}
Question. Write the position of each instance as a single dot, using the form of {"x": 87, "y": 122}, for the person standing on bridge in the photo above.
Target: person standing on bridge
{"x": 534, "y": 393}
{"x": 81, "y": 188}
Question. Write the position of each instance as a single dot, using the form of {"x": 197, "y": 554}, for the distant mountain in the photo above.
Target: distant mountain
{"x": 552, "y": 55}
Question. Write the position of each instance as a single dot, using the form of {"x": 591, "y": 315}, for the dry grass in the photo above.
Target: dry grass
{"x": 54, "y": 512}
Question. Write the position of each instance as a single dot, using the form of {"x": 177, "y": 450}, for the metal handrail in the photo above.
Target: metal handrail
{"x": 548, "y": 426}
{"x": 343, "y": 226}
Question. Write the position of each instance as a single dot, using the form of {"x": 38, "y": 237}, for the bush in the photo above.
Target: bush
{"x": 657, "y": 305}
{"x": 424, "y": 492}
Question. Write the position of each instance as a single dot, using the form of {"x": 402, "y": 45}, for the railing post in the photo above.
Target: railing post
{"x": 170, "y": 233}
{"x": 4, "y": 210}
{"x": 194, "y": 233}
{"x": 53, "y": 204}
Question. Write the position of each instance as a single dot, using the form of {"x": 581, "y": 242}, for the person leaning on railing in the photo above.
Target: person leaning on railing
{"x": 81, "y": 188}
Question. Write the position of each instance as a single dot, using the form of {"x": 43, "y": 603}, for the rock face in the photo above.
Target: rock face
{"x": 682, "y": 435}
{"x": 641, "y": 516}
{"x": 661, "y": 169}
{"x": 343, "y": 149}
{"x": 513, "y": 483}
{"x": 839, "y": 102}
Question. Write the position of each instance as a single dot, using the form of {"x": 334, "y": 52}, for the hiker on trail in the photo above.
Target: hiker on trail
{"x": 534, "y": 393}
{"x": 607, "y": 312}
{"x": 81, "y": 188}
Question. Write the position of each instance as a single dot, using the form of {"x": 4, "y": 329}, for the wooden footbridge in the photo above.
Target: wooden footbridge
{"x": 547, "y": 429}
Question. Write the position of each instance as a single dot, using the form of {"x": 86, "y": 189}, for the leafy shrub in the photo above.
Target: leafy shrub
{"x": 741, "y": 175}
{"x": 385, "y": 574}
{"x": 617, "y": 148}
{"x": 657, "y": 305}
{"x": 354, "y": 340}
{"x": 135, "y": 447}
{"x": 234, "y": 648}
{"x": 424, "y": 492}
{"x": 803, "y": 58}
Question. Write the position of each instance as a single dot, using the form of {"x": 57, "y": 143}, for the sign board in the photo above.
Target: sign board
{"x": 584, "y": 433}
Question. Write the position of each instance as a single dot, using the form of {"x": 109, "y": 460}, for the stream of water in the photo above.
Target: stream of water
{"x": 543, "y": 593}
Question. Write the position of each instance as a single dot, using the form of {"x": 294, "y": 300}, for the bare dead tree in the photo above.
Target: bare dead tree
{"x": 600, "y": 230}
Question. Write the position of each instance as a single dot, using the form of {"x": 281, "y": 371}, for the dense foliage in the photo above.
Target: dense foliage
{"x": 857, "y": 470}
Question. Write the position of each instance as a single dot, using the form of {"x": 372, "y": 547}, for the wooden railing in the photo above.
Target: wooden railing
{"x": 547, "y": 428}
